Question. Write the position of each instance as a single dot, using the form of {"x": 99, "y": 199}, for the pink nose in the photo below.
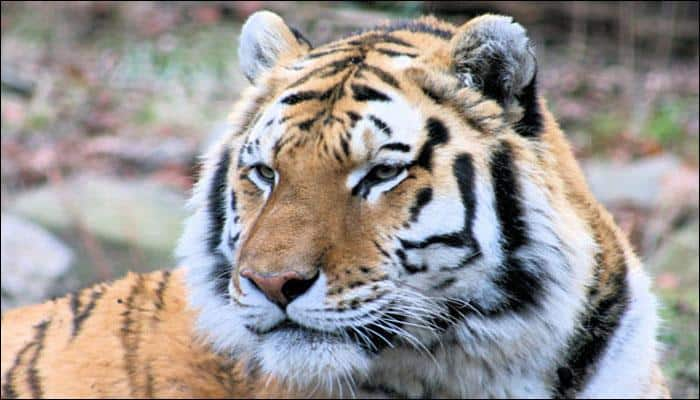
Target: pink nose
{"x": 281, "y": 288}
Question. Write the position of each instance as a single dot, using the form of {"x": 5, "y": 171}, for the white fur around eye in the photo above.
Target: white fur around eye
{"x": 376, "y": 190}
{"x": 261, "y": 183}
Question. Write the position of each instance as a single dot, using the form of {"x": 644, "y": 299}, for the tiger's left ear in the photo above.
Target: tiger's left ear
{"x": 265, "y": 41}
{"x": 493, "y": 54}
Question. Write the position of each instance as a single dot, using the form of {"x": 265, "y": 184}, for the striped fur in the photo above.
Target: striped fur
{"x": 420, "y": 179}
{"x": 136, "y": 341}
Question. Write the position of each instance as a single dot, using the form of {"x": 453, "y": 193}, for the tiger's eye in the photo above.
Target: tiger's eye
{"x": 265, "y": 172}
{"x": 385, "y": 172}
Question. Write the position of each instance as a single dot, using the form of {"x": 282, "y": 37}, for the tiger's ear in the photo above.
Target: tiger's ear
{"x": 493, "y": 54}
{"x": 266, "y": 40}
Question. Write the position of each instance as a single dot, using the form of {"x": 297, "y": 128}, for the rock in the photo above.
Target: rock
{"x": 116, "y": 225}
{"x": 144, "y": 153}
{"x": 118, "y": 210}
{"x": 34, "y": 263}
{"x": 636, "y": 183}
{"x": 17, "y": 82}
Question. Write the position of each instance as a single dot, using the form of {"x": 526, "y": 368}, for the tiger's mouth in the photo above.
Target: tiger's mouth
{"x": 372, "y": 337}
{"x": 287, "y": 325}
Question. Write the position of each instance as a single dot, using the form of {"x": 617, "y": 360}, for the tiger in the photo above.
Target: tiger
{"x": 393, "y": 214}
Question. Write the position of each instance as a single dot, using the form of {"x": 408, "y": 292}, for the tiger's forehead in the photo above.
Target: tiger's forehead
{"x": 387, "y": 128}
{"x": 347, "y": 102}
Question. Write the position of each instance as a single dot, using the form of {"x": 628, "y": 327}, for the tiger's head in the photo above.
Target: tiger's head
{"x": 386, "y": 192}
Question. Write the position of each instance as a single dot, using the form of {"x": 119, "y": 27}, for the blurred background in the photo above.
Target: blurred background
{"x": 106, "y": 106}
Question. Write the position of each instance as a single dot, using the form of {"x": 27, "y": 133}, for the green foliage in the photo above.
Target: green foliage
{"x": 679, "y": 334}
{"x": 37, "y": 121}
{"x": 602, "y": 128}
{"x": 664, "y": 125}
{"x": 606, "y": 125}
{"x": 146, "y": 114}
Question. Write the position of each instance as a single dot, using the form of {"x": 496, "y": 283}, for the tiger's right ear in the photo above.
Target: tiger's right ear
{"x": 265, "y": 41}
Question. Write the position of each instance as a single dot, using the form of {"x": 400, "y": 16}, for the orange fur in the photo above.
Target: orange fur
{"x": 138, "y": 341}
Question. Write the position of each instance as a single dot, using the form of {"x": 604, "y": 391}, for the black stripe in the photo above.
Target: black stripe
{"x": 301, "y": 96}
{"x": 374, "y": 38}
{"x": 381, "y": 125}
{"x": 279, "y": 145}
{"x": 130, "y": 335}
{"x": 454, "y": 239}
{"x": 233, "y": 239}
{"x": 383, "y": 75}
{"x": 445, "y": 283}
{"x": 346, "y": 147}
{"x": 509, "y": 207}
{"x": 306, "y": 95}
{"x": 520, "y": 283}
{"x": 148, "y": 391}
{"x": 381, "y": 250}
{"x": 338, "y": 156}
{"x": 410, "y": 268}
{"x": 306, "y": 124}
{"x": 216, "y": 196}
{"x": 81, "y": 316}
{"x": 598, "y": 322}
{"x": 160, "y": 290}
{"x": 8, "y": 389}
{"x": 300, "y": 38}
{"x": 530, "y": 125}
{"x": 221, "y": 275}
{"x": 437, "y": 134}
{"x": 438, "y": 98}
{"x": 400, "y": 254}
{"x": 328, "y": 70}
{"x": 463, "y": 170}
{"x": 33, "y": 378}
{"x": 354, "y": 117}
{"x": 395, "y": 146}
{"x": 74, "y": 304}
{"x": 366, "y": 93}
{"x": 423, "y": 197}
{"x": 327, "y": 52}
{"x": 233, "y": 201}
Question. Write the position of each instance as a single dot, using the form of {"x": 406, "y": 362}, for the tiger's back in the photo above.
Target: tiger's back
{"x": 130, "y": 338}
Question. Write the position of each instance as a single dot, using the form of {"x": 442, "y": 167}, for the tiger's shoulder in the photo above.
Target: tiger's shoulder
{"x": 133, "y": 337}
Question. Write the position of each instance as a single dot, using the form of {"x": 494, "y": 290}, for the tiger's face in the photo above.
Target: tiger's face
{"x": 362, "y": 202}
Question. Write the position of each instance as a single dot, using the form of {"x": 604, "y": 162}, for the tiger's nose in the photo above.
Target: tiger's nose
{"x": 281, "y": 288}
